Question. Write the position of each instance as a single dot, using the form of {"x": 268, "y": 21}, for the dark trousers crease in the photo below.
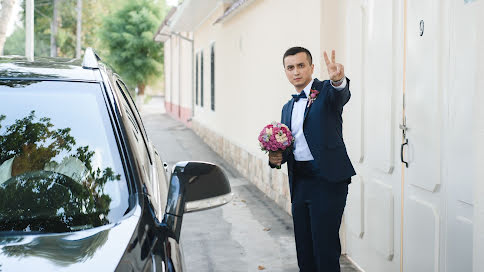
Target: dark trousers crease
{"x": 317, "y": 209}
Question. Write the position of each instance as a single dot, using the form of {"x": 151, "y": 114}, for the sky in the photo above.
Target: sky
{"x": 172, "y": 2}
{"x": 15, "y": 18}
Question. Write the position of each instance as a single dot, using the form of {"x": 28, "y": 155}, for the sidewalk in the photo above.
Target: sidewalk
{"x": 249, "y": 234}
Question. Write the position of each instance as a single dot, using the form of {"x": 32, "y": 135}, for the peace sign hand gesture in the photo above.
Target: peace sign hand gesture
{"x": 336, "y": 71}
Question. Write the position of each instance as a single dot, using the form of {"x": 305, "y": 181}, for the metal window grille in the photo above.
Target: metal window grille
{"x": 212, "y": 76}
{"x": 196, "y": 79}
{"x": 201, "y": 78}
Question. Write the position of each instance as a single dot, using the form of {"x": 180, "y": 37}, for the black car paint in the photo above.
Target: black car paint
{"x": 153, "y": 245}
{"x": 151, "y": 238}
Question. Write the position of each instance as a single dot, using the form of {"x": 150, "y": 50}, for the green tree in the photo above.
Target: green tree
{"x": 34, "y": 143}
{"x": 92, "y": 13}
{"x": 128, "y": 35}
{"x": 44, "y": 200}
{"x": 15, "y": 44}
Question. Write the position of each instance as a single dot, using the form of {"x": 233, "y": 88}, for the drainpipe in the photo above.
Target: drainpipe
{"x": 179, "y": 77}
{"x": 193, "y": 71}
{"x": 171, "y": 74}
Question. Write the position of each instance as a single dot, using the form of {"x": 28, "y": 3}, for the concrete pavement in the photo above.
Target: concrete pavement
{"x": 249, "y": 234}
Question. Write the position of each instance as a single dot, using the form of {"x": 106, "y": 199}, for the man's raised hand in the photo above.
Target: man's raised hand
{"x": 336, "y": 71}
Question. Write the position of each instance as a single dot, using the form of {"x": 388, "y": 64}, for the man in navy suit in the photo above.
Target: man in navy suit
{"x": 319, "y": 168}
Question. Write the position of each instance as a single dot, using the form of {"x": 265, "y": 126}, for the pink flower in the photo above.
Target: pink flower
{"x": 312, "y": 97}
{"x": 268, "y": 140}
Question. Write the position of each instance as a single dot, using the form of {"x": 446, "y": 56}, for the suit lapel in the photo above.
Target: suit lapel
{"x": 289, "y": 116}
{"x": 306, "y": 110}
{"x": 313, "y": 87}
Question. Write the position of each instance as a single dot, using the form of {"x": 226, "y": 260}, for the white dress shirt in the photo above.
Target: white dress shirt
{"x": 301, "y": 150}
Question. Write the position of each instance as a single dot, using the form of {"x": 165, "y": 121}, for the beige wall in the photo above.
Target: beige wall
{"x": 168, "y": 69}
{"x": 178, "y": 76}
{"x": 186, "y": 72}
{"x": 249, "y": 49}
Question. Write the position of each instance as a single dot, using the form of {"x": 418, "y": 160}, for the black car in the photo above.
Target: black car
{"x": 81, "y": 186}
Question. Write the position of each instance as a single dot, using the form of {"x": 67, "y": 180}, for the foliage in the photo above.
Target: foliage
{"x": 29, "y": 140}
{"x": 121, "y": 31}
{"x": 15, "y": 44}
{"x": 38, "y": 198}
{"x": 128, "y": 35}
{"x": 92, "y": 14}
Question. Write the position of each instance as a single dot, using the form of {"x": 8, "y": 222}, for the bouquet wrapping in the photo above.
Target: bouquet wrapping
{"x": 275, "y": 137}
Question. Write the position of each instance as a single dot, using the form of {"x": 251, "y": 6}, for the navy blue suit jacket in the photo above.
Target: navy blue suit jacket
{"x": 323, "y": 131}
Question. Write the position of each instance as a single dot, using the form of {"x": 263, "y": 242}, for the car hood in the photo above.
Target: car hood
{"x": 100, "y": 249}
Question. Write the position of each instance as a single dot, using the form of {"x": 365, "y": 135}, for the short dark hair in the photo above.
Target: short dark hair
{"x": 297, "y": 49}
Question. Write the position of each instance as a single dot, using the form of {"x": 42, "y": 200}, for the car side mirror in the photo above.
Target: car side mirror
{"x": 195, "y": 186}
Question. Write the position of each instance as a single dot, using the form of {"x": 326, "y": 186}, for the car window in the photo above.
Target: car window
{"x": 156, "y": 185}
{"x": 136, "y": 118}
{"x": 60, "y": 168}
{"x": 134, "y": 133}
{"x": 160, "y": 188}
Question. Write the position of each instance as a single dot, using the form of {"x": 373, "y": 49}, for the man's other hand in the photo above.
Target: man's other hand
{"x": 275, "y": 157}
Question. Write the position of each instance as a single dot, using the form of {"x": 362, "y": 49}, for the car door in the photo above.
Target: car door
{"x": 156, "y": 186}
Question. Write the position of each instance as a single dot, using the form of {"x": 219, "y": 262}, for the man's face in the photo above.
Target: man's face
{"x": 298, "y": 70}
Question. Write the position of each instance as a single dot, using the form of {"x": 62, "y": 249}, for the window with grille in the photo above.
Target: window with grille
{"x": 212, "y": 76}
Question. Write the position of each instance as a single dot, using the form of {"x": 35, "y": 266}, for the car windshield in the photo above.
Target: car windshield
{"x": 60, "y": 168}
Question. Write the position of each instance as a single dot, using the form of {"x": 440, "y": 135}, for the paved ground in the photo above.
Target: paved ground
{"x": 249, "y": 234}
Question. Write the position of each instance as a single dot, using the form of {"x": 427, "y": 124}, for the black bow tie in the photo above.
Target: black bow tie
{"x": 299, "y": 96}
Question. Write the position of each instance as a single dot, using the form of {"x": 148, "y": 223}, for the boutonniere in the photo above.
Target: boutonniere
{"x": 313, "y": 94}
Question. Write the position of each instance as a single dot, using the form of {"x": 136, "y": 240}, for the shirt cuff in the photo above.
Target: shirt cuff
{"x": 340, "y": 87}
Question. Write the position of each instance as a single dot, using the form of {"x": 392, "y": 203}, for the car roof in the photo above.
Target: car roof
{"x": 18, "y": 67}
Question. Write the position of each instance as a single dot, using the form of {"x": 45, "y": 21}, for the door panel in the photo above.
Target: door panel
{"x": 460, "y": 144}
{"x": 422, "y": 95}
{"x": 423, "y": 200}
{"x": 353, "y": 114}
{"x": 373, "y": 64}
{"x": 379, "y": 85}
{"x": 380, "y": 217}
{"x": 459, "y": 246}
{"x": 354, "y": 211}
{"x": 422, "y": 232}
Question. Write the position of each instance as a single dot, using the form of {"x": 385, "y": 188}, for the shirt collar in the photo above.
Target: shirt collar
{"x": 307, "y": 89}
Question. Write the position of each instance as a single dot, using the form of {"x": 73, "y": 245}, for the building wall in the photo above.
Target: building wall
{"x": 168, "y": 69}
{"x": 249, "y": 49}
{"x": 434, "y": 206}
{"x": 178, "y": 67}
{"x": 250, "y": 84}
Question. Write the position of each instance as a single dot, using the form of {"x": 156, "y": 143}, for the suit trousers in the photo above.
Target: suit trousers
{"x": 317, "y": 209}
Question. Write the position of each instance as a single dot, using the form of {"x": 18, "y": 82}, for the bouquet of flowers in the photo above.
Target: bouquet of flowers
{"x": 275, "y": 137}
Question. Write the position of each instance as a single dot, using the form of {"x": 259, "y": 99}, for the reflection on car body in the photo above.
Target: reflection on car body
{"x": 81, "y": 185}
